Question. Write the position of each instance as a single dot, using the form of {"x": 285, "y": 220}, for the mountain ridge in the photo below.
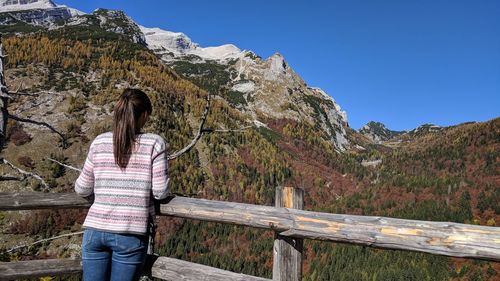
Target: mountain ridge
{"x": 268, "y": 88}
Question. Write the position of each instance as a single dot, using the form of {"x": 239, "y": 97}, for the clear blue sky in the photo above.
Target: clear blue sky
{"x": 403, "y": 63}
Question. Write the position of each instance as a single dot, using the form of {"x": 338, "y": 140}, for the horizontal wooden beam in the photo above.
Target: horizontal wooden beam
{"x": 442, "y": 238}
{"x": 40, "y": 200}
{"x": 39, "y": 268}
{"x": 175, "y": 269}
{"x": 161, "y": 267}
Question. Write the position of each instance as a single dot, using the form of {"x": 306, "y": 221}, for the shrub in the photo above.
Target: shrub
{"x": 73, "y": 130}
{"x": 17, "y": 135}
{"x": 26, "y": 161}
{"x": 76, "y": 104}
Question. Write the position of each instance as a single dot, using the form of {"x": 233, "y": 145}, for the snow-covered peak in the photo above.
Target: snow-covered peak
{"x": 73, "y": 11}
{"x": 18, "y": 5}
{"x": 159, "y": 39}
{"x": 220, "y": 52}
{"x": 22, "y": 5}
{"x": 179, "y": 44}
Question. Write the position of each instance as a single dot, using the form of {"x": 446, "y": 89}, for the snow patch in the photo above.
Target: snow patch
{"x": 159, "y": 39}
{"x": 74, "y": 12}
{"x": 19, "y": 5}
{"x": 179, "y": 44}
{"x": 219, "y": 52}
{"x": 22, "y": 5}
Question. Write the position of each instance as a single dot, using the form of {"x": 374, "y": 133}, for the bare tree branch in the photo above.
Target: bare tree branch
{"x": 201, "y": 131}
{"x": 26, "y": 120}
{"x": 9, "y": 178}
{"x": 21, "y": 87}
{"x": 198, "y": 134}
{"x": 43, "y": 240}
{"x": 24, "y": 94}
{"x": 25, "y": 173}
{"x": 64, "y": 165}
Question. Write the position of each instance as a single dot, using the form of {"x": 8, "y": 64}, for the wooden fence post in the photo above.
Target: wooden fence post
{"x": 287, "y": 251}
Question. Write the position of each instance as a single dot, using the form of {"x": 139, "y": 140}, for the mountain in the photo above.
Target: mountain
{"x": 261, "y": 89}
{"x": 425, "y": 129}
{"x": 378, "y": 132}
{"x": 264, "y": 88}
{"x": 172, "y": 46}
{"x": 17, "y": 5}
{"x": 35, "y": 12}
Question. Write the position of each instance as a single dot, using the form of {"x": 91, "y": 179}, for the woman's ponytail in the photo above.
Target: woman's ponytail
{"x": 128, "y": 110}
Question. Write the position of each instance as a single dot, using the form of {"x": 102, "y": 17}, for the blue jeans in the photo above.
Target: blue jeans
{"x": 112, "y": 256}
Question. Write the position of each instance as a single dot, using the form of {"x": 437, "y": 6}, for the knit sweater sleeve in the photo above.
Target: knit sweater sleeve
{"x": 84, "y": 185}
{"x": 159, "y": 173}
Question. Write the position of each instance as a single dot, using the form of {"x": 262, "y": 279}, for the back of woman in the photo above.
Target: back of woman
{"x": 124, "y": 170}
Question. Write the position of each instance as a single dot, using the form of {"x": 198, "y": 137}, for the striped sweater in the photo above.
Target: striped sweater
{"x": 122, "y": 197}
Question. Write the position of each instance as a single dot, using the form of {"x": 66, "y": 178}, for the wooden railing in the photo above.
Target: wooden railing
{"x": 290, "y": 224}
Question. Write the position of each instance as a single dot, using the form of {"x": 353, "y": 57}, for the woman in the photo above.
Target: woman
{"x": 124, "y": 169}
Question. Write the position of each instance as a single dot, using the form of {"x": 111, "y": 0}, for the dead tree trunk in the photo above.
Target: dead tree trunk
{"x": 4, "y": 100}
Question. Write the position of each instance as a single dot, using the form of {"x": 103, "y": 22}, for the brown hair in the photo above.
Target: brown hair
{"x": 128, "y": 111}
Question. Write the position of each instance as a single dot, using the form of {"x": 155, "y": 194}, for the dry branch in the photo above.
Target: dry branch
{"x": 64, "y": 165}
{"x": 24, "y": 94}
{"x": 201, "y": 131}
{"x": 25, "y": 173}
{"x": 9, "y": 178}
{"x": 19, "y": 88}
{"x": 43, "y": 240}
{"x": 198, "y": 134}
{"x": 26, "y": 120}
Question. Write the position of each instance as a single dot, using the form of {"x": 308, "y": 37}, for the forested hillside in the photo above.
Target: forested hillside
{"x": 78, "y": 72}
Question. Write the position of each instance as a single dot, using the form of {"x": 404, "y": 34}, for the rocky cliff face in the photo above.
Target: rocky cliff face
{"x": 378, "y": 132}
{"x": 42, "y": 17}
{"x": 260, "y": 87}
{"x": 34, "y": 12}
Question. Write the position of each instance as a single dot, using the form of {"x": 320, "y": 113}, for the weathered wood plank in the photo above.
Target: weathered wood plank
{"x": 39, "y": 268}
{"x": 173, "y": 269}
{"x": 287, "y": 251}
{"x": 162, "y": 267}
{"x": 40, "y": 200}
{"x": 258, "y": 216}
{"x": 442, "y": 238}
